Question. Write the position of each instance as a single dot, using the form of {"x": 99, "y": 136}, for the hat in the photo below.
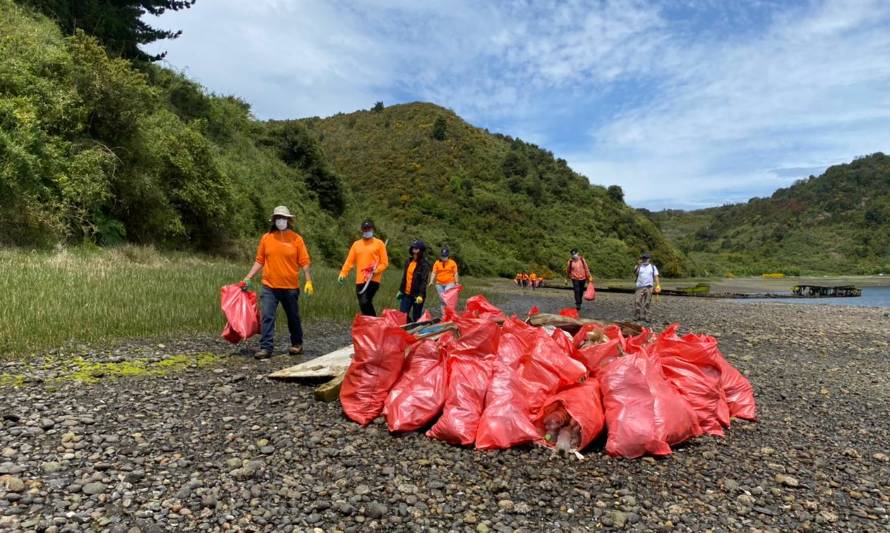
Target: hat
{"x": 573, "y": 251}
{"x": 418, "y": 244}
{"x": 281, "y": 211}
{"x": 445, "y": 252}
{"x": 367, "y": 223}
{"x": 646, "y": 255}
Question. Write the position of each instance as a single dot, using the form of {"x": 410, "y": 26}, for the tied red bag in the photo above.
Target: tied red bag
{"x": 468, "y": 378}
{"x": 644, "y": 413}
{"x": 546, "y": 368}
{"x": 736, "y": 387}
{"x": 242, "y": 314}
{"x": 417, "y": 398}
{"x": 450, "y": 297}
{"x": 380, "y": 346}
{"x": 505, "y": 421}
{"x": 572, "y": 418}
{"x": 590, "y": 292}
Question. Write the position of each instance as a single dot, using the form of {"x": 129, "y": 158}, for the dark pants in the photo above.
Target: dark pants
{"x": 411, "y": 307}
{"x": 289, "y": 300}
{"x": 366, "y": 299}
{"x": 579, "y": 286}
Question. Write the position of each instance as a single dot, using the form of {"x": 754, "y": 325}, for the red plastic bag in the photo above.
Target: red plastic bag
{"x": 546, "y": 368}
{"x": 380, "y": 346}
{"x": 450, "y": 297}
{"x": 590, "y": 292}
{"x": 418, "y": 396}
{"x": 468, "y": 378}
{"x": 569, "y": 312}
{"x": 242, "y": 314}
{"x": 479, "y": 307}
{"x": 574, "y": 414}
{"x": 533, "y": 310}
{"x": 644, "y": 413}
{"x": 737, "y": 389}
{"x": 505, "y": 422}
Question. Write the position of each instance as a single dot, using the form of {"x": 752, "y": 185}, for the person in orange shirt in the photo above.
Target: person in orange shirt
{"x": 280, "y": 255}
{"x": 445, "y": 272}
{"x": 368, "y": 256}
{"x": 579, "y": 273}
{"x": 533, "y": 280}
{"x": 412, "y": 290}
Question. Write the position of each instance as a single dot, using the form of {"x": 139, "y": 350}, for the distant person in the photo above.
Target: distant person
{"x": 415, "y": 277}
{"x": 524, "y": 280}
{"x": 579, "y": 273}
{"x": 445, "y": 273}
{"x": 540, "y": 280}
{"x": 368, "y": 255}
{"x": 648, "y": 281}
{"x": 533, "y": 281}
{"x": 518, "y": 279}
{"x": 280, "y": 254}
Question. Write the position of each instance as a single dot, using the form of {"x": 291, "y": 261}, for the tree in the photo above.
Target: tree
{"x": 616, "y": 193}
{"x": 378, "y": 107}
{"x": 117, "y": 24}
{"x": 439, "y": 127}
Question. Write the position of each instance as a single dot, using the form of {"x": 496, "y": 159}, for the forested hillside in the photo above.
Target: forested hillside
{"x": 838, "y": 222}
{"x": 100, "y": 146}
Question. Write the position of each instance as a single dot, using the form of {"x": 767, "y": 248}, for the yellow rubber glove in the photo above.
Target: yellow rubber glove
{"x": 418, "y": 300}
{"x": 657, "y": 289}
{"x": 309, "y": 288}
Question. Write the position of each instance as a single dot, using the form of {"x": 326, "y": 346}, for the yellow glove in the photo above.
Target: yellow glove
{"x": 309, "y": 288}
{"x": 418, "y": 300}
{"x": 657, "y": 289}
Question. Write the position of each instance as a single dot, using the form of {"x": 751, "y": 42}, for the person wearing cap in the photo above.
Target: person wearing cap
{"x": 445, "y": 272}
{"x": 579, "y": 273}
{"x": 368, "y": 256}
{"x": 648, "y": 280}
{"x": 280, "y": 255}
{"x": 412, "y": 290}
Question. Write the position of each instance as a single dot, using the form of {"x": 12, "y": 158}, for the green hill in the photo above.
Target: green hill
{"x": 101, "y": 150}
{"x": 501, "y": 204}
{"x": 838, "y": 222}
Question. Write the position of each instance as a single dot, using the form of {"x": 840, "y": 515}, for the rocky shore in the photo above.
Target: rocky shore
{"x": 187, "y": 442}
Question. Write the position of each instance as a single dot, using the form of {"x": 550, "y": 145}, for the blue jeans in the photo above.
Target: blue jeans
{"x": 411, "y": 307}
{"x": 289, "y": 300}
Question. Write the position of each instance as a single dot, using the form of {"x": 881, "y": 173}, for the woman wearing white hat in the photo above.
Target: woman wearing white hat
{"x": 280, "y": 255}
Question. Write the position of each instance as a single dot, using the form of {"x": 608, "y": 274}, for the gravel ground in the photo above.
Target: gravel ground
{"x": 223, "y": 448}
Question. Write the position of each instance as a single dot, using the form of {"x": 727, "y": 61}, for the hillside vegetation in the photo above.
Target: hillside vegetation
{"x": 838, "y": 222}
{"x": 102, "y": 150}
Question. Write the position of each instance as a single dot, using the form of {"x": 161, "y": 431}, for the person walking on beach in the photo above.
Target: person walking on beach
{"x": 578, "y": 271}
{"x": 412, "y": 290}
{"x": 648, "y": 281}
{"x": 533, "y": 281}
{"x": 368, "y": 256}
{"x": 445, "y": 273}
{"x": 280, "y": 255}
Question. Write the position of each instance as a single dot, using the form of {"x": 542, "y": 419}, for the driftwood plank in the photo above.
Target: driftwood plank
{"x": 329, "y": 365}
{"x": 329, "y": 391}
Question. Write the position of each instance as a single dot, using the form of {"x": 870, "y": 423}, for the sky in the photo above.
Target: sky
{"x": 683, "y": 103}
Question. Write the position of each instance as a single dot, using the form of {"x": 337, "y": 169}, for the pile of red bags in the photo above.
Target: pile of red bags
{"x": 499, "y": 382}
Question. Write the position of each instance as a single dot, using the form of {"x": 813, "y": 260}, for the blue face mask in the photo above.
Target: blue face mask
{"x": 368, "y": 234}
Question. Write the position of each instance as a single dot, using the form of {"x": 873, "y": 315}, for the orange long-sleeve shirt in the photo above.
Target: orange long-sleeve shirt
{"x": 363, "y": 254}
{"x": 282, "y": 254}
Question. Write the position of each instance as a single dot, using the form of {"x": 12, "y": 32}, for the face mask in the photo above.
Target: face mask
{"x": 281, "y": 224}
{"x": 444, "y": 259}
{"x": 575, "y": 256}
{"x": 368, "y": 234}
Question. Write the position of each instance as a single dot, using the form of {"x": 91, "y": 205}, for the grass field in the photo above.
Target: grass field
{"x": 94, "y": 296}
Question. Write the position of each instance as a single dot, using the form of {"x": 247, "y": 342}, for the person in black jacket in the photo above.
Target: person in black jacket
{"x": 412, "y": 291}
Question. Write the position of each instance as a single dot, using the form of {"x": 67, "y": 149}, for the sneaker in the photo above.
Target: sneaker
{"x": 262, "y": 354}
{"x": 296, "y": 349}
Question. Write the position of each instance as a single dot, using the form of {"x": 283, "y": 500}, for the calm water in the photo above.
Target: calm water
{"x": 871, "y": 297}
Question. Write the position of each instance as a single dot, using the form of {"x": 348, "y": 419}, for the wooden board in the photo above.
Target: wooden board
{"x": 329, "y": 391}
{"x": 326, "y": 366}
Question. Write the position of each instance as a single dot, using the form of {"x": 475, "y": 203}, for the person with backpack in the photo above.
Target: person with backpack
{"x": 648, "y": 281}
{"x": 579, "y": 273}
{"x": 280, "y": 255}
{"x": 368, "y": 256}
{"x": 412, "y": 290}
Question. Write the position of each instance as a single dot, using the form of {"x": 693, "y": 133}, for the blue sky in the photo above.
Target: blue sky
{"x": 684, "y": 103}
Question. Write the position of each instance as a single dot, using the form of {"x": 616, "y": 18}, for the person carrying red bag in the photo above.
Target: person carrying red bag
{"x": 579, "y": 273}
{"x": 280, "y": 255}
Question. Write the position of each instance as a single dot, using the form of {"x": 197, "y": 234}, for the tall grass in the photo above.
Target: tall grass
{"x": 92, "y": 296}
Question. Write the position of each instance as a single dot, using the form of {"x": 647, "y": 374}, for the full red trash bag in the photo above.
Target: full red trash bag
{"x": 506, "y": 420}
{"x": 418, "y": 396}
{"x": 380, "y": 346}
{"x": 546, "y": 368}
{"x": 479, "y": 307}
{"x": 736, "y": 387}
{"x": 644, "y": 413}
{"x": 242, "y": 314}
{"x": 569, "y": 312}
{"x": 574, "y": 414}
{"x": 590, "y": 292}
{"x": 450, "y": 297}
{"x": 468, "y": 378}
